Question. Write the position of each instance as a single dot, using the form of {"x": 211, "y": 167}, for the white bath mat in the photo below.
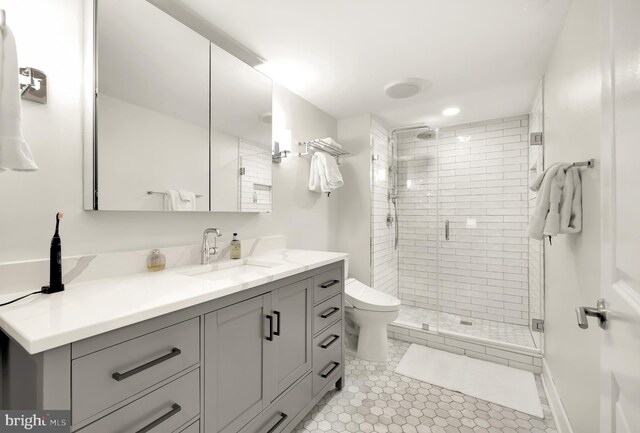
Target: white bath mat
{"x": 506, "y": 386}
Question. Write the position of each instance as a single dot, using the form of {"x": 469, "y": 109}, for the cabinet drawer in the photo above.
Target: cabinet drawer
{"x": 327, "y": 356}
{"x": 161, "y": 411}
{"x": 193, "y": 428}
{"x": 327, "y": 284}
{"x": 327, "y": 313}
{"x": 276, "y": 417}
{"x": 108, "y": 376}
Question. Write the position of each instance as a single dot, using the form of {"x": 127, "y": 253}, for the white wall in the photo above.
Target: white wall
{"x": 352, "y": 226}
{"x": 52, "y": 40}
{"x": 572, "y": 99}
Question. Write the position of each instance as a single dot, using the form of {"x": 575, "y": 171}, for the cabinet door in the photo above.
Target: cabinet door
{"x": 292, "y": 307}
{"x": 236, "y": 338}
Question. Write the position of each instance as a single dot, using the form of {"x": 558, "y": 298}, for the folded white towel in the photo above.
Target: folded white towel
{"x": 179, "y": 200}
{"x": 324, "y": 175}
{"x": 331, "y": 142}
{"x": 14, "y": 151}
{"x": 559, "y": 203}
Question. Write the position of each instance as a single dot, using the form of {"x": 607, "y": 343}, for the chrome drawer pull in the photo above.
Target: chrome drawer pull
{"x": 329, "y": 283}
{"x": 121, "y": 376}
{"x": 330, "y": 312}
{"x": 334, "y": 338}
{"x": 270, "y": 319}
{"x": 283, "y": 416}
{"x": 175, "y": 408}
{"x": 328, "y": 373}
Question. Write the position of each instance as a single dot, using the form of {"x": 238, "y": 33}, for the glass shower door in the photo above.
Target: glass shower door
{"x": 416, "y": 154}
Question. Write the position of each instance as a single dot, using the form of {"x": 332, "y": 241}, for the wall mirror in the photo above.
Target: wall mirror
{"x": 175, "y": 122}
{"x": 240, "y": 135}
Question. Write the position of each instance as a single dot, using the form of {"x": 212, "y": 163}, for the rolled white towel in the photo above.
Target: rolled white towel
{"x": 14, "y": 150}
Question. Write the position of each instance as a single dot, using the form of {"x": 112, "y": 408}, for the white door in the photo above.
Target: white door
{"x": 620, "y": 360}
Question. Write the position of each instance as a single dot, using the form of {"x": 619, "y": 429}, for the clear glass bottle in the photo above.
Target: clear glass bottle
{"x": 156, "y": 261}
{"x": 235, "y": 247}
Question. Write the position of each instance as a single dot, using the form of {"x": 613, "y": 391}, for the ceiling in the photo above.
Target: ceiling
{"x": 484, "y": 56}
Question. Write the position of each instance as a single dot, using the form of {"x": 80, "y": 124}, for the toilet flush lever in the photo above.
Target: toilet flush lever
{"x": 600, "y": 312}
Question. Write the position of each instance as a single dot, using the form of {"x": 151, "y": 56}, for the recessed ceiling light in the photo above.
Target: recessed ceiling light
{"x": 451, "y": 111}
{"x": 405, "y": 88}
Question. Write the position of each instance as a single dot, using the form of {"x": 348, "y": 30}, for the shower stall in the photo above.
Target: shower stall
{"x": 449, "y": 230}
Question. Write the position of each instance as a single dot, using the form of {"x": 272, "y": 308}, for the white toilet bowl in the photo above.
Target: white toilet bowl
{"x": 371, "y": 310}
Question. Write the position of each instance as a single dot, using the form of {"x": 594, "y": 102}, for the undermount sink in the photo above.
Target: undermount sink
{"x": 230, "y": 269}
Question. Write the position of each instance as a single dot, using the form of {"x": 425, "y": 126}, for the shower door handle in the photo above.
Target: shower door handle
{"x": 446, "y": 230}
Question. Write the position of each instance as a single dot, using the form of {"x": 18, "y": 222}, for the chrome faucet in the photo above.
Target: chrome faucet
{"x": 207, "y": 251}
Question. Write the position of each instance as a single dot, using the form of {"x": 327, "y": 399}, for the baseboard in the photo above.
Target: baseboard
{"x": 557, "y": 409}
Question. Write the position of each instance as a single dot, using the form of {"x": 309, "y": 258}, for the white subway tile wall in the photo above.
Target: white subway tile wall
{"x": 254, "y": 194}
{"x": 482, "y": 183}
{"x": 384, "y": 259}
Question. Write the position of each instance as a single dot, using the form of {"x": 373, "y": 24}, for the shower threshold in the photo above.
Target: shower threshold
{"x": 485, "y": 330}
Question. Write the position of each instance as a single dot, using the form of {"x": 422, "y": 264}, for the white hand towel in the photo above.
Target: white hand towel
{"x": 544, "y": 216}
{"x": 329, "y": 170}
{"x": 571, "y": 203}
{"x": 14, "y": 151}
{"x": 317, "y": 177}
{"x": 173, "y": 200}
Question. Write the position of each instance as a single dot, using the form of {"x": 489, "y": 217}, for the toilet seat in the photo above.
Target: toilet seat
{"x": 364, "y": 297}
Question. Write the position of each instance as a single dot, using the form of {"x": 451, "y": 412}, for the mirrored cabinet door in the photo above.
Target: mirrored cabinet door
{"x": 152, "y": 110}
{"x": 241, "y": 106}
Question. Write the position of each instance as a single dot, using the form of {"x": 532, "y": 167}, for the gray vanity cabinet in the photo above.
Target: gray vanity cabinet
{"x": 236, "y": 341}
{"x": 254, "y": 350}
{"x": 292, "y": 309}
{"x": 256, "y": 361}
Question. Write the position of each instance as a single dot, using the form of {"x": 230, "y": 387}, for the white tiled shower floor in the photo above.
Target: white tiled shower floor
{"x": 376, "y": 399}
{"x": 485, "y": 329}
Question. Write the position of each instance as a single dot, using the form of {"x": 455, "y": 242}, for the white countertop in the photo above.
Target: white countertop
{"x": 42, "y": 322}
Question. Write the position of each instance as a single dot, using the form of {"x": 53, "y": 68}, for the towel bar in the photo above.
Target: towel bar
{"x": 319, "y": 145}
{"x": 163, "y": 193}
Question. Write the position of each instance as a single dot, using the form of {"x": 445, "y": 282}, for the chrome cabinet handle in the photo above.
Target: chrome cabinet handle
{"x": 329, "y": 283}
{"x": 121, "y": 376}
{"x": 270, "y": 319}
{"x": 600, "y": 312}
{"x": 446, "y": 230}
{"x": 330, "y": 312}
{"x": 283, "y": 416}
{"x": 175, "y": 408}
{"x": 328, "y": 373}
{"x": 333, "y": 338}
{"x": 277, "y": 331}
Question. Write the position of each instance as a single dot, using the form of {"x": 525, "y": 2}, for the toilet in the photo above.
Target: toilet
{"x": 371, "y": 310}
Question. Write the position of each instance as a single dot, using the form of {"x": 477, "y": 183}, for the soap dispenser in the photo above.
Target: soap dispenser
{"x": 156, "y": 261}
{"x": 234, "y": 247}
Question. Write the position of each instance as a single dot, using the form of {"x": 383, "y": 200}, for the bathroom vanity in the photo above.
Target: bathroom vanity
{"x": 250, "y": 347}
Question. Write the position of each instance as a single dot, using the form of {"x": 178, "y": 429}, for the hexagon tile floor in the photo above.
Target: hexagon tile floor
{"x": 376, "y": 399}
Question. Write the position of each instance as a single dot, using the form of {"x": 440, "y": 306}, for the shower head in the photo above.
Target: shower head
{"x": 428, "y": 134}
